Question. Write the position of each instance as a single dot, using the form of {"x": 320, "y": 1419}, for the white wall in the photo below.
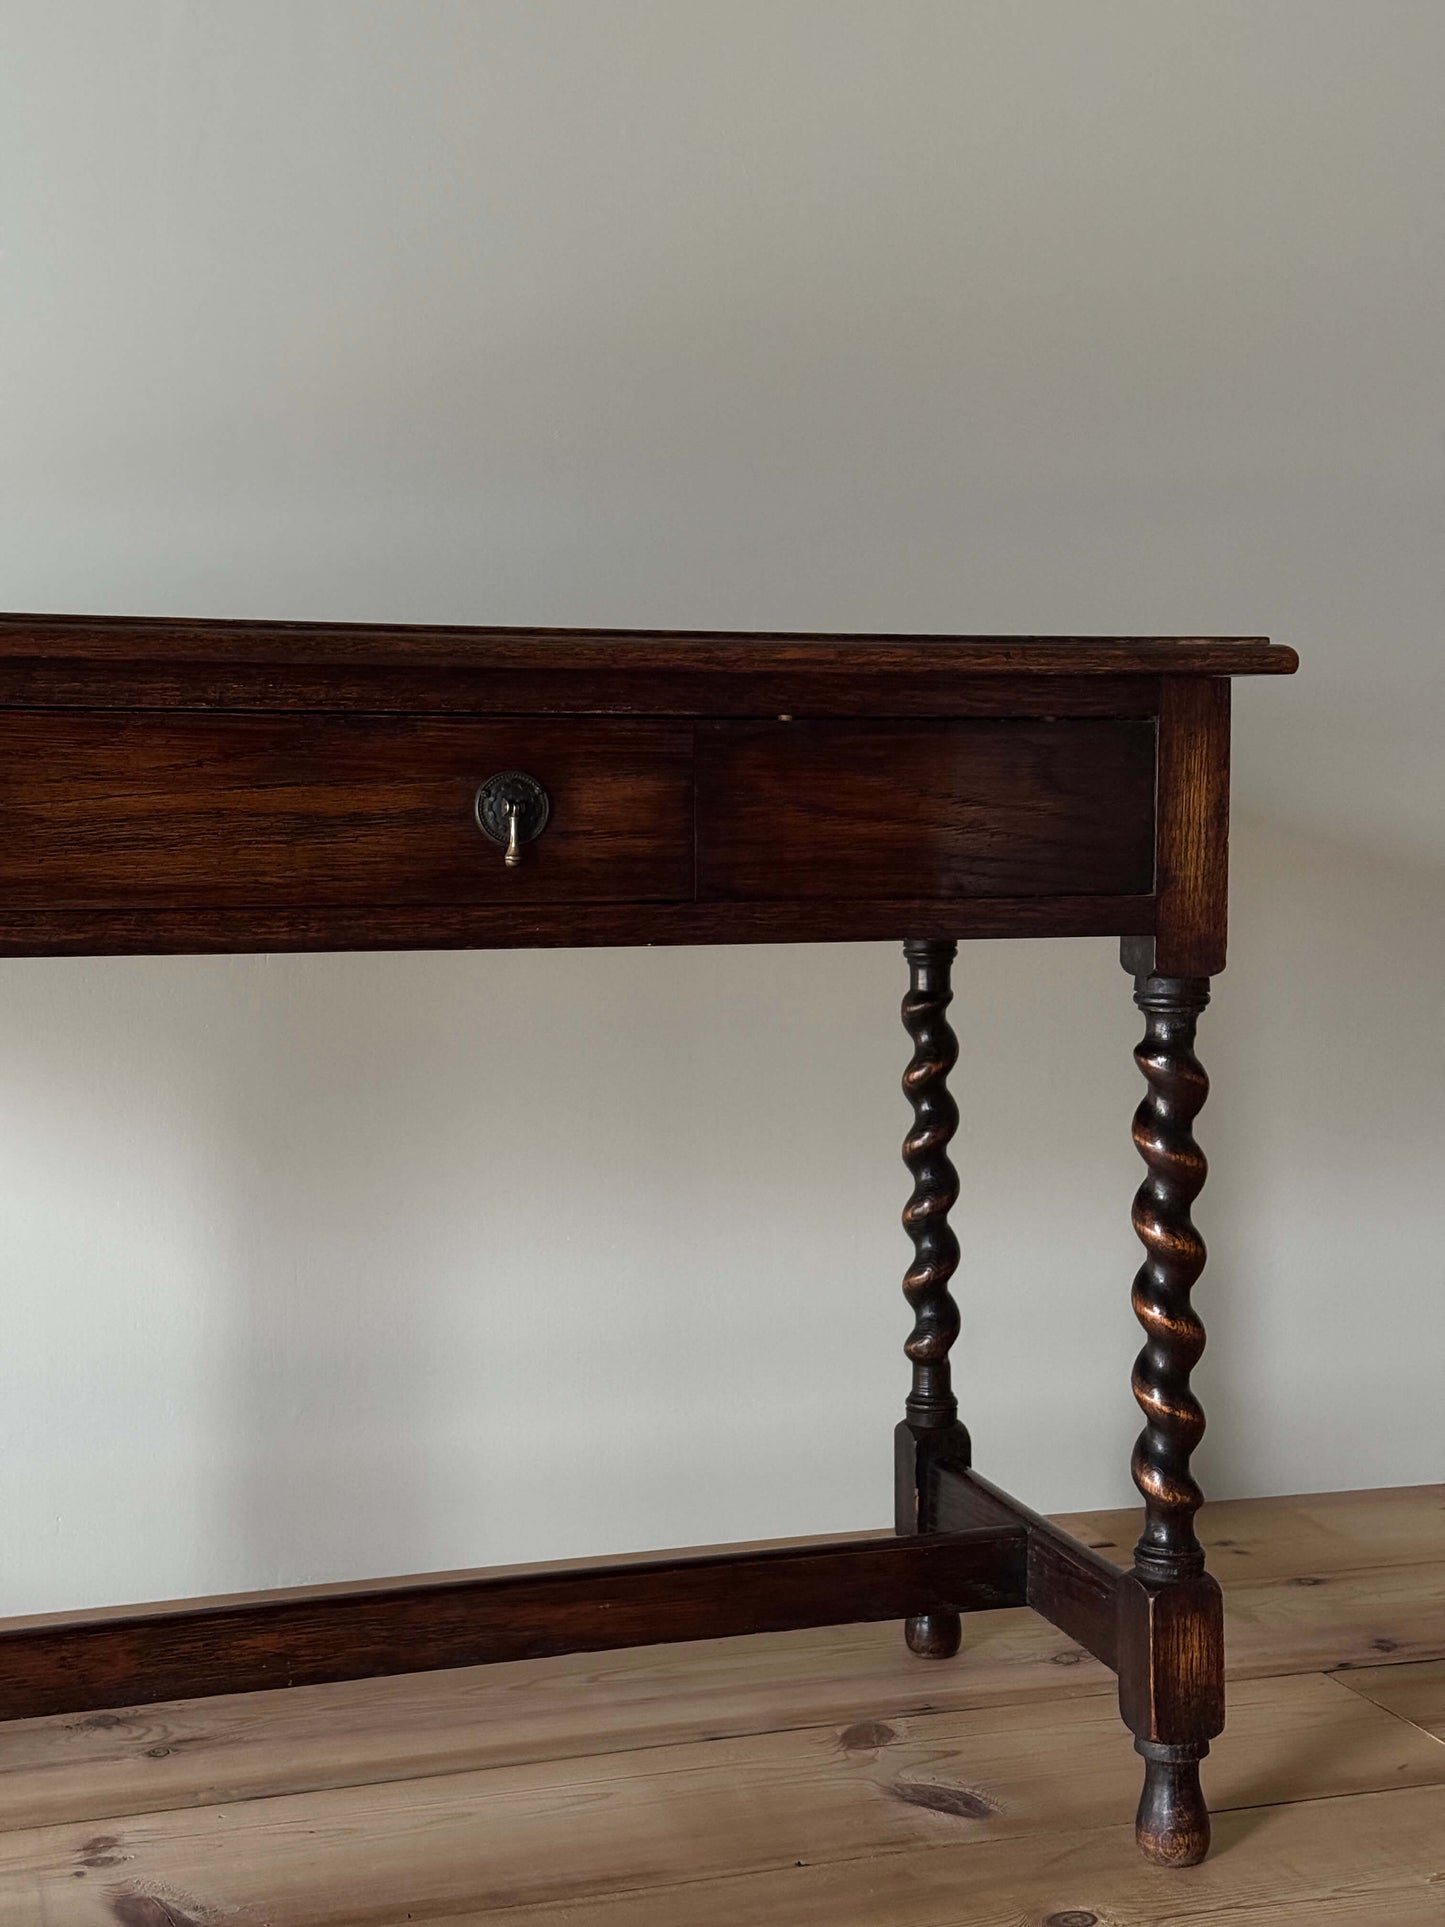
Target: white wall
{"x": 993, "y": 315}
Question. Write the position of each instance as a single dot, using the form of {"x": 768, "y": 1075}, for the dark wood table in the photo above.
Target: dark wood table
{"x": 238, "y": 786}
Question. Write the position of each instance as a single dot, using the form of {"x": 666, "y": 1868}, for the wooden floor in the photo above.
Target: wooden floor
{"x": 819, "y": 1779}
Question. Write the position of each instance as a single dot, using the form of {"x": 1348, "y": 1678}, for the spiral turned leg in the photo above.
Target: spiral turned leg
{"x": 1173, "y": 1418}
{"x": 1171, "y": 1660}
{"x": 930, "y": 1433}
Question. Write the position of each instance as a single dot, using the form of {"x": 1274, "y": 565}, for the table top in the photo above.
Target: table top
{"x": 167, "y": 784}
{"x": 59, "y": 639}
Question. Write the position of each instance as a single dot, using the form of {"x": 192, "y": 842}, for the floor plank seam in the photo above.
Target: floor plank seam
{"x": 1403, "y": 1719}
{"x": 1073, "y": 1837}
{"x": 361, "y": 1807}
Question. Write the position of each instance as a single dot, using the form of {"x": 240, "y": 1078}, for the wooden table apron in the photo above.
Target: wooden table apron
{"x": 190, "y": 787}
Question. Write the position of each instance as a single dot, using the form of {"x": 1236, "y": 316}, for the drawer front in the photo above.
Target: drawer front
{"x": 126, "y": 811}
{"x": 856, "y": 811}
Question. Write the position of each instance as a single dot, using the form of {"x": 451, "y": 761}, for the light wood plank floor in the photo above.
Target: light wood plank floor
{"x": 821, "y": 1779}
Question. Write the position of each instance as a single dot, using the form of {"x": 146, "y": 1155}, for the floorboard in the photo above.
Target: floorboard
{"x": 1413, "y": 1692}
{"x": 802, "y": 1779}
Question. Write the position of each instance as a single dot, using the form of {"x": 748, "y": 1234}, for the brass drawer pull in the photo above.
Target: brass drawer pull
{"x": 512, "y": 809}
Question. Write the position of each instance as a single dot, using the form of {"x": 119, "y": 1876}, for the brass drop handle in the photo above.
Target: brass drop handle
{"x": 512, "y": 809}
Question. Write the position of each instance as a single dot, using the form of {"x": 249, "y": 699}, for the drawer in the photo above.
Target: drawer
{"x": 907, "y": 811}
{"x": 130, "y": 810}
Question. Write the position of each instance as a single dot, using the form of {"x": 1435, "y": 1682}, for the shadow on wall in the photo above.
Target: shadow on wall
{"x": 321, "y": 1267}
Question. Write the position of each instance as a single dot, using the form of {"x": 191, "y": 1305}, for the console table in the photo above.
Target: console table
{"x": 176, "y": 786}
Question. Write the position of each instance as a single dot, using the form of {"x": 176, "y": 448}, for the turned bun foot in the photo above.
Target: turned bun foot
{"x": 934, "y": 1635}
{"x": 1173, "y": 1824}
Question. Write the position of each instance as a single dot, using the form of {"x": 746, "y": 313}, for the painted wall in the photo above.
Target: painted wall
{"x": 1015, "y": 316}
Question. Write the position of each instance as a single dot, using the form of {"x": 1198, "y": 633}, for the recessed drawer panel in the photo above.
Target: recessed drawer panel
{"x": 896, "y": 810}
{"x": 123, "y": 811}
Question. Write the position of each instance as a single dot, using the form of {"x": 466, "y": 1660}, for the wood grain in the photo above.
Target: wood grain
{"x": 853, "y": 1678}
{"x": 134, "y": 662}
{"x": 671, "y": 1823}
{"x": 205, "y": 1751}
{"x": 440, "y": 926}
{"x": 1300, "y": 1538}
{"x": 56, "y": 1663}
{"x": 839, "y": 811}
{"x": 930, "y": 1422}
{"x": 1192, "y": 882}
{"x": 1070, "y": 1583}
{"x": 1364, "y": 1861}
{"x": 170, "y": 786}
{"x": 607, "y": 688}
{"x": 124, "y": 811}
{"x": 179, "y": 639}
{"x": 1414, "y": 1693}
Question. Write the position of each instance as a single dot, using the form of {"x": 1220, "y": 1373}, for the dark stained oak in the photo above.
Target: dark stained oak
{"x": 1192, "y": 882}
{"x": 119, "y": 812}
{"x": 1068, "y": 1582}
{"x": 931, "y": 1404}
{"x": 181, "y": 786}
{"x": 1173, "y": 1259}
{"x": 991, "y": 809}
{"x": 500, "y": 926}
{"x": 1171, "y": 1665}
{"x": 159, "y": 639}
{"x": 141, "y": 662}
{"x": 309, "y": 1636}
{"x": 930, "y": 1422}
{"x": 608, "y": 688}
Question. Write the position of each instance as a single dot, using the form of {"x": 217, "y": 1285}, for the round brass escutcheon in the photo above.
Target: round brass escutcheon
{"x": 512, "y": 809}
